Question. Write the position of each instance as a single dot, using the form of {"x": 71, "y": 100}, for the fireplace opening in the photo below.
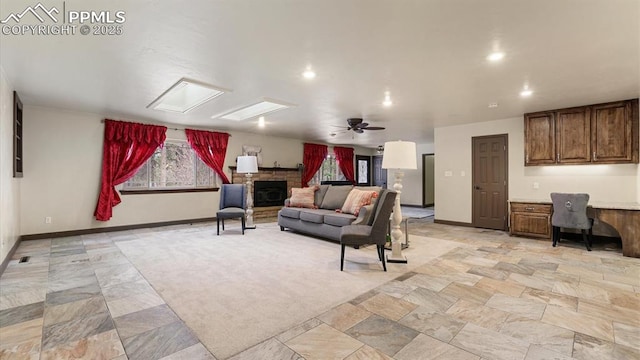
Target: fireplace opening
{"x": 269, "y": 193}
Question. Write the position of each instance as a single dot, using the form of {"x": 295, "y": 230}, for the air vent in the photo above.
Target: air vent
{"x": 24, "y": 259}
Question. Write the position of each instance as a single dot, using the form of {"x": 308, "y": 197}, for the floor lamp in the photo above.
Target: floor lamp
{"x": 398, "y": 156}
{"x": 248, "y": 165}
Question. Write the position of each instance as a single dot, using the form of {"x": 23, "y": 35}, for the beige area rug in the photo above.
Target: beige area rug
{"x": 235, "y": 291}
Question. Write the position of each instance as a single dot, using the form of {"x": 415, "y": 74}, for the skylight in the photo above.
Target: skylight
{"x": 264, "y": 107}
{"x": 185, "y": 95}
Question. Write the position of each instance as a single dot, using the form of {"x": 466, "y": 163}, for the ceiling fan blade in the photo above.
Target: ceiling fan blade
{"x": 358, "y": 130}
{"x": 373, "y": 128}
{"x": 363, "y": 125}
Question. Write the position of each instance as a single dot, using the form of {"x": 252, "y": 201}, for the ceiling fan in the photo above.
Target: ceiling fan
{"x": 358, "y": 126}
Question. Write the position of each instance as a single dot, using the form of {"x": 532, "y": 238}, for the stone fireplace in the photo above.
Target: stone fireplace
{"x": 291, "y": 177}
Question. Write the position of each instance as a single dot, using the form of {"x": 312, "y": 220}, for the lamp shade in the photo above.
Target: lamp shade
{"x": 247, "y": 164}
{"x": 399, "y": 155}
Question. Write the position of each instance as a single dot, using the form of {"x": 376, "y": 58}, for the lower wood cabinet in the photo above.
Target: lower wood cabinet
{"x": 530, "y": 219}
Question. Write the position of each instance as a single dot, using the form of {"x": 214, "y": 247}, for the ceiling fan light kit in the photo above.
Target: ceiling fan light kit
{"x": 358, "y": 126}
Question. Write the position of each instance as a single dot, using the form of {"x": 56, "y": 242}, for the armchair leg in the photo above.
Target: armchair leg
{"x": 555, "y": 235}
{"x": 381, "y": 251}
{"x": 218, "y": 222}
{"x": 586, "y": 240}
{"x": 243, "y": 225}
{"x": 222, "y": 224}
{"x": 342, "y": 256}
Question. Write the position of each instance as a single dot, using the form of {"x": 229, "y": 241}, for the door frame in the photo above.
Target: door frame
{"x": 424, "y": 181}
{"x": 505, "y": 223}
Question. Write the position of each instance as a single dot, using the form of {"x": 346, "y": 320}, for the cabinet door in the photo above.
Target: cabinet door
{"x": 611, "y": 128}
{"x": 539, "y": 139}
{"x": 573, "y": 135}
{"x": 530, "y": 224}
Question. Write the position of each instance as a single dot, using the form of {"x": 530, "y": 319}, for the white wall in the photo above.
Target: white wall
{"x": 453, "y": 150}
{"x": 63, "y": 156}
{"x": 412, "y": 181}
{"x": 9, "y": 187}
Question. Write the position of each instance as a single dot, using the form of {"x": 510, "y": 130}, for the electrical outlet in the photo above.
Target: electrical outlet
{"x": 462, "y": 173}
{"x": 536, "y": 185}
{"x": 47, "y": 220}
{"x": 448, "y": 173}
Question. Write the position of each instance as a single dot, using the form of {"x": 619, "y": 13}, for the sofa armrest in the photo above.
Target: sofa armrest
{"x": 364, "y": 216}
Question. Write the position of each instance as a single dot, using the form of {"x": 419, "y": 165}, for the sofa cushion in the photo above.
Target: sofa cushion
{"x": 357, "y": 199}
{"x": 320, "y": 193}
{"x": 338, "y": 219}
{"x": 335, "y": 197}
{"x": 292, "y": 213}
{"x": 303, "y": 197}
{"x": 312, "y": 216}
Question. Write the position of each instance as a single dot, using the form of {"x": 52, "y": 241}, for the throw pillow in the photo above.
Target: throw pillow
{"x": 335, "y": 197}
{"x": 356, "y": 200}
{"x": 302, "y": 197}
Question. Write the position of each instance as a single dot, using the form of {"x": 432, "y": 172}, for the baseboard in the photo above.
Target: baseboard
{"x": 6, "y": 260}
{"x": 454, "y": 223}
{"x": 111, "y": 229}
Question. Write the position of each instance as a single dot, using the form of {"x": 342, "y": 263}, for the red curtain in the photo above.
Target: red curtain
{"x": 344, "y": 157}
{"x": 312, "y": 158}
{"x": 211, "y": 147}
{"x": 126, "y": 147}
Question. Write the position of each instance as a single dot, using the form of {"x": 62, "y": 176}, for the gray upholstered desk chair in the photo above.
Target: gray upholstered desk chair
{"x": 376, "y": 233}
{"x": 570, "y": 211}
{"x": 233, "y": 200}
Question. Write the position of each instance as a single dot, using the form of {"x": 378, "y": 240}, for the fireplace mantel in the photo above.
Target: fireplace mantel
{"x": 260, "y": 168}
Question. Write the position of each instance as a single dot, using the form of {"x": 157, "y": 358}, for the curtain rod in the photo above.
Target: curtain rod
{"x": 168, "y": 128}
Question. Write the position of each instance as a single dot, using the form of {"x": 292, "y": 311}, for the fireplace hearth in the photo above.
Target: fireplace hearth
{"x": 269, "y": 193}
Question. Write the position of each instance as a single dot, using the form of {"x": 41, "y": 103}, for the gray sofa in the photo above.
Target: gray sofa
{"x": 324, "y": 221}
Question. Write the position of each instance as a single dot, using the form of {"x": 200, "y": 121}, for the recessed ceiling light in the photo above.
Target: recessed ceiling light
{"x": 261, "y": 121}
{"x": 264, "y": 107}
{"x": 495, "y": 56}
{"x": 493, "y": 105}
{"x": 526, "y": 92}
{"x": 308, "y": 73}
{"x": 387, "y": 99}
{"x": 186, "y": 95}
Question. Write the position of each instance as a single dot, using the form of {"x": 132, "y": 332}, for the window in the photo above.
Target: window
{"x": 174, "y": 166}
{"x": 329, "y": 171}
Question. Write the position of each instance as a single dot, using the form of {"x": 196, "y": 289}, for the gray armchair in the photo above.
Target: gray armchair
{"x": 376, "y": 233}
{"x": 232, "y": 204}
{"x": 570, "y": 211}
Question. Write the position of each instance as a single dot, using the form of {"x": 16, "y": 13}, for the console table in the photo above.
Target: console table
{"x": 622, "y": 216}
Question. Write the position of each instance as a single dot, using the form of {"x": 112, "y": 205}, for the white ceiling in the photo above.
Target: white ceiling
{"x": 430, "y": 54}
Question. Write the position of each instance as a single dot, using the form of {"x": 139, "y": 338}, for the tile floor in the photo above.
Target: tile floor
{"x": 500, "y": 298}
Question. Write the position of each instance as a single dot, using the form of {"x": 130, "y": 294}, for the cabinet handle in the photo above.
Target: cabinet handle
{"x": 558, "y": 157}
{"x": 526, "y": 158}
{"x": 594, "y": 156}
{"x": 529, "y": 208}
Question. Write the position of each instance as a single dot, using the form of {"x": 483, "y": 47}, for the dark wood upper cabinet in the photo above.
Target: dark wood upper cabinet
{"x": 17, "y": 136}
{"x": 613, "y": 138}
{"x": 573, "y": 135}
{"x": 540, "y": 129}
{"x": 593, "y": 134}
